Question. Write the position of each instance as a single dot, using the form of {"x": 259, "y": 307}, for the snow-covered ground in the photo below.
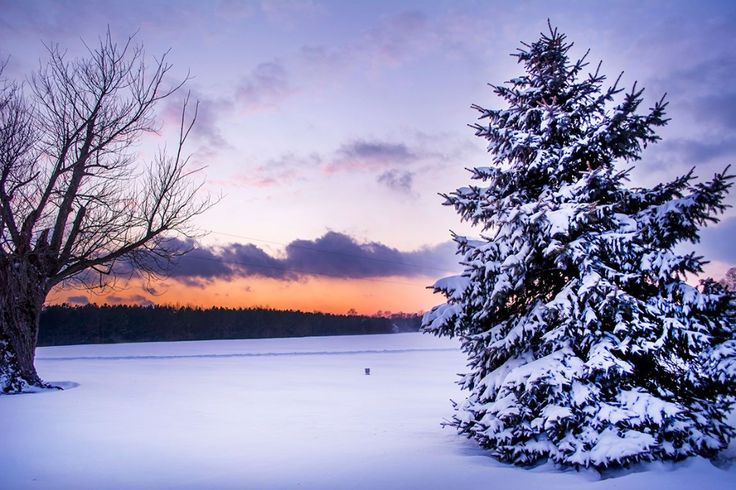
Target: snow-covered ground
{"x": 277, "y": 413}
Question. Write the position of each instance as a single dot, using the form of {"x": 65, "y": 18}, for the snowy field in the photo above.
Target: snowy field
{"x": 277, "y": 413}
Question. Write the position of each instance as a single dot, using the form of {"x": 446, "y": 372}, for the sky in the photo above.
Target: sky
{"x": 329, "y": 128}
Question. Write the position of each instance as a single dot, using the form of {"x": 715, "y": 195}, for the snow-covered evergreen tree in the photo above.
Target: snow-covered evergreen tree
{"x": 586, "y": 346}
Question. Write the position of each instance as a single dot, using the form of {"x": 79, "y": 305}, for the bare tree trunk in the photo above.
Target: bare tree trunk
{"x": 22, "y": 294}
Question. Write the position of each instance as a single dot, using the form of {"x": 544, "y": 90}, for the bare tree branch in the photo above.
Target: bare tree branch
{"x": 75, "y": 201}
{"x": 71, "y": 192}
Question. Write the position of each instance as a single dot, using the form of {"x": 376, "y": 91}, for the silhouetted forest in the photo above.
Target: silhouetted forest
{"x": 94, "y": 324}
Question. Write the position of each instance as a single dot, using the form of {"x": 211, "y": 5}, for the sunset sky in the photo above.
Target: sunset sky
{"x": 330, "y": 127}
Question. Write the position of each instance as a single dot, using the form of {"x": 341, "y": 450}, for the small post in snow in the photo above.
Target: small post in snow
{"x": 367, "y": 371}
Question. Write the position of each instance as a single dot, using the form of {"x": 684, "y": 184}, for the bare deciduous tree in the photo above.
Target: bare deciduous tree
{"x": 74, "y": 200}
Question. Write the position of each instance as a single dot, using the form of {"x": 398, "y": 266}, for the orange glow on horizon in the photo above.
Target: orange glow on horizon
{"x": 327, "y": 295}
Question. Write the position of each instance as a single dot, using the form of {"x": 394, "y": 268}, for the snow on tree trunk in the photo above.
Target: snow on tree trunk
{"x": 21, "y": 300}
{"x": 585, "y": 344}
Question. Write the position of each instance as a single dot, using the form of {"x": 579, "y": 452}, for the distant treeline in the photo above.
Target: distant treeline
{"x": 104, "y": 324}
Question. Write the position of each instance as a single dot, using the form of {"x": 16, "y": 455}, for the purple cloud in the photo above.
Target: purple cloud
{"x": 198, "y": 265}
{"x": 80, "y": 300}
{"x": 716, "y": 241}
{"x": 210, "y": 113}
{"x": 332, "y": 255}
{"x": 397, "y": 180}
{"x": 399, "y": 36}
{"x": 137, "y": 299}
{"x": 288, "y": 13}
{"x": 717, "y": 110}
{"x": 691, "y": 152}
{"x": 367, "y": 155}
{"x": 250, "y": 260}
{"x": 339, "y": 255}
{"x": 264, "y": 87}
{"x": 277, "y": 171}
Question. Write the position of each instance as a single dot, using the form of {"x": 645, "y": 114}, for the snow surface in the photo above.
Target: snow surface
{"x": 276, "y": 413}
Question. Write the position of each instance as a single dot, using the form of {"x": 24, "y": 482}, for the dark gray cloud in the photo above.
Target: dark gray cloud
{"x": 332, "y": 255}
{"x": 397, "y": 180}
